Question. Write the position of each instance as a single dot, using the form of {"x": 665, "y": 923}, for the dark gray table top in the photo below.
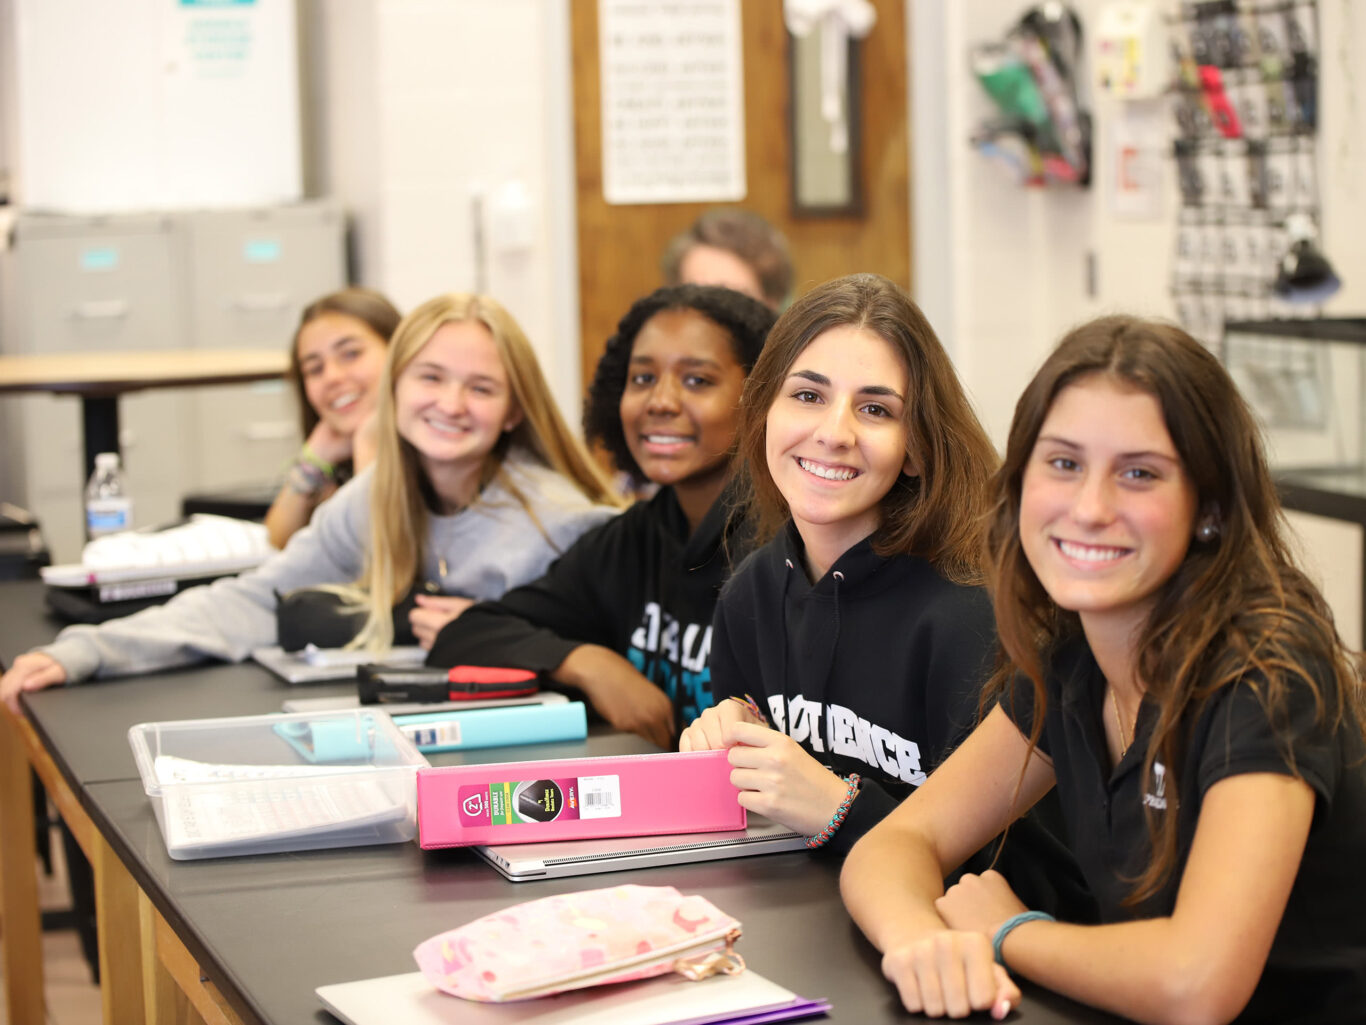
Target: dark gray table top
{"x": 268, "y": 929}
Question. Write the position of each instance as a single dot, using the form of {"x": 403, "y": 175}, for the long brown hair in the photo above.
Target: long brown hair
{"x": 398, "y": 506}
{"x": 937, "y": 515}
{"x": 1236, "y": 609}
{"x": 364, "y": 304}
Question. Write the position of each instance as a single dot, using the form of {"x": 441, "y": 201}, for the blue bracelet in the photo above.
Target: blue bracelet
{"x": 823, "y": 837}
{"x": 1009, "y": 925}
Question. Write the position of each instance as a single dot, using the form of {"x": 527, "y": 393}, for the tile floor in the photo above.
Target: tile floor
{"x": 72, "y": 998}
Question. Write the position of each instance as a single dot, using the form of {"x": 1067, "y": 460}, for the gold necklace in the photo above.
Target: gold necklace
{"x": 1119, "y": 725}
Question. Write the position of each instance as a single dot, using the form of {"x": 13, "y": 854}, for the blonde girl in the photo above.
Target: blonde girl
{"x": 477, "y": 486}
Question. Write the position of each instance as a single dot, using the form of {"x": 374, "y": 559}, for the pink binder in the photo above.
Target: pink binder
{"x": 576, "y": 799}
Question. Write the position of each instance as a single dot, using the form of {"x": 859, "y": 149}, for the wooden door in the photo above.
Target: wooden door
{"x": 619, "y": 246}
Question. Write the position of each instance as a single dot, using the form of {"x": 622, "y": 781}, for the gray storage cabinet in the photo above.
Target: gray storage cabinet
{"x": 222, "y": 279}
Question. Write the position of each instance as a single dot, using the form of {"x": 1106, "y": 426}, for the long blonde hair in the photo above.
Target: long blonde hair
{"x": 398, "y": 496}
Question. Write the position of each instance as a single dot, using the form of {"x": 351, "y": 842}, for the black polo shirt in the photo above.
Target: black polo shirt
{"x": 1316, "y": 971}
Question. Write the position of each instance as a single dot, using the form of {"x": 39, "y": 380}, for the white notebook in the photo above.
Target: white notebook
{"x": 665, "y": 1000}
{"x": 205, "y": 546}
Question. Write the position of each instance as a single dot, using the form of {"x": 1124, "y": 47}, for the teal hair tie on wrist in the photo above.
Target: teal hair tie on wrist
{"x": 1009, "y": 925}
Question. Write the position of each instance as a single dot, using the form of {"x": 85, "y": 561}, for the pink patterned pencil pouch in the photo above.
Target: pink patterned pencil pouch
{"x": 581, "y": 939}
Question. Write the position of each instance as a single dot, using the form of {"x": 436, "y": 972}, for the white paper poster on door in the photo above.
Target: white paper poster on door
{"x": 672, "y": 79}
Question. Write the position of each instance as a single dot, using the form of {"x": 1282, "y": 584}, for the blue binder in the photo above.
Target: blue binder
{"x": 469, "y": 729}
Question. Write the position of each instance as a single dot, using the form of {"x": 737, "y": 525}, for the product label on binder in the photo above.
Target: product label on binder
{"x": 540, "y": 800}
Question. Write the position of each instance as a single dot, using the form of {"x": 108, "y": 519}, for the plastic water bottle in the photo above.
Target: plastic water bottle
{"x": 108, "y": 508}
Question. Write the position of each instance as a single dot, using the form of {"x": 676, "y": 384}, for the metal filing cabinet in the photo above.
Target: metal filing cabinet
{"x": 212, "y": 280}
{"x": 251, "y": 274}
{"x": 99, "y": 284}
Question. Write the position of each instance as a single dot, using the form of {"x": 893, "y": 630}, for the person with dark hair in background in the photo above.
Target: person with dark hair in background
{"x": 734, "y": 249}
{"x": 335, "y": 361}
{"x": 625, "y": 615}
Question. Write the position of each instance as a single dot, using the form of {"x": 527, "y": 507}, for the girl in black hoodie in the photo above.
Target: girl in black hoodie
{"x": 849, "y": 652}
{"x": 625, "y": 614}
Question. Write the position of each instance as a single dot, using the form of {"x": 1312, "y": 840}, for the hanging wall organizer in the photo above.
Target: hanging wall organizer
{"x": 1043, "y": 128}
{"x": 1246, "y": 121}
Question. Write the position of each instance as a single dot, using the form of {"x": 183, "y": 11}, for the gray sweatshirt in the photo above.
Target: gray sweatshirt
{"x": 489, "y": 547}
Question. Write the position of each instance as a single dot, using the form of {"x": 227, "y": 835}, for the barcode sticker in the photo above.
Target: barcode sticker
{"x": 599, "y": 797}
{"x": 437, "y": 734}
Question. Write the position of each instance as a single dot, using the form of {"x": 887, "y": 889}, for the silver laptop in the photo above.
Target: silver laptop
{"x": 523, "y": 861}
{"x": 317, "y": 665}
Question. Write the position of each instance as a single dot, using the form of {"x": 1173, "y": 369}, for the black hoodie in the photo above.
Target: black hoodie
{"x": 874, "y": 669}
{"x": 877, "y": 669}
{"x": 638, "y": 585}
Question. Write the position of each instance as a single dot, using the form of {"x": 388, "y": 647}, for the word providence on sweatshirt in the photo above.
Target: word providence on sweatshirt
{"x": 638, "y": 585}
{"x": 875, "y": 669}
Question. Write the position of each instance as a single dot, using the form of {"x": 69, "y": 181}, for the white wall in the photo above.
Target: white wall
{"x": 420, "y": 106}
{"x": 1005, "y": 270}
{"x": 149, "y": 105}
{"x": 1342, "y": 148}
{"x": 1001, "y": 269}
{"x": 11, "y": 459}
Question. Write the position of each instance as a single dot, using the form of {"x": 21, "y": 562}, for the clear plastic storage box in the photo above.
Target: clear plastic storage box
{"x": 287, "y": 782}
{"x": 1306, "y": 381}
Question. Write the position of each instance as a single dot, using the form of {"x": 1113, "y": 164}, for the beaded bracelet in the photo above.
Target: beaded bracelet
{"x": 1009, "y": 925}
{"x": 307, "y": 455}
{"x": 306, "y": 479}
{"x": 836, "y": 820}
{"x": 752, "y": 705}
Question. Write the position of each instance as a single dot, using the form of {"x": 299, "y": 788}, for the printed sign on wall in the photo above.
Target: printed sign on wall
{"x": 673, "y": 127}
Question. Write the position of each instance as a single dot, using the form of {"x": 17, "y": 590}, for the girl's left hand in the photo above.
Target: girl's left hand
{"x": 779, "y": 780}
{"x": 979, "y": 903}
{"x": 432, "y": 613}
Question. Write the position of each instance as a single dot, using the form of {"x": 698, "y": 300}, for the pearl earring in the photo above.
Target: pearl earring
{"x": 1207, "y": 531}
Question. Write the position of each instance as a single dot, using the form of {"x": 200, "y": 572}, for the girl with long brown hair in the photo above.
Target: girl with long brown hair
{"x": 855, "y": 642}
{"x": 335, "y": 360}
{"x": 1179, "y": 681}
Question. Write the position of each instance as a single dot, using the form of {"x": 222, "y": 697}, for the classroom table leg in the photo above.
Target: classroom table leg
{"x": 116, "y": 920}
{"x": 166, "y": 1002}
{"x": 20, "y": 920}
{"x": 207, "y": 1001}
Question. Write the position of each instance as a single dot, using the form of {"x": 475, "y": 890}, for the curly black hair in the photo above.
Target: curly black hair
{"x": 746, "y": 320}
